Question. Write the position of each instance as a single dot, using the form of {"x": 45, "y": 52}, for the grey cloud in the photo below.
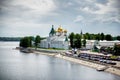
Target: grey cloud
{"x": 102, "y": 1}
{"x": 59, "y": 12}
{"x": 15, "y": 11}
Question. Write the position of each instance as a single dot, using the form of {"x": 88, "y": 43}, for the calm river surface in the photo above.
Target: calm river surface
{"x": 15, "y": 65}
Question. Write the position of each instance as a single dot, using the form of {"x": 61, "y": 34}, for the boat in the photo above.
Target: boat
{"x": 102, "y": 68}
{"x": 26, "y": 50}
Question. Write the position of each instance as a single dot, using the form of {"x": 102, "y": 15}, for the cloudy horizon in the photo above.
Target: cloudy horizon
{"x": 36, "y": 17}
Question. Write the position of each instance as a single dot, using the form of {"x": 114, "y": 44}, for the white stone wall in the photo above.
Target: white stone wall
{"x": 108, "y": 43}
{"x": 91, "y": 43}
{"x": 55, "y": 42}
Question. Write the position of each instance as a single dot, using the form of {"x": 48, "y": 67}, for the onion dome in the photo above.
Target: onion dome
{"x": 60, "y": 29}
{"x": 65, "y": 31}
{"x": 52, "y": 32}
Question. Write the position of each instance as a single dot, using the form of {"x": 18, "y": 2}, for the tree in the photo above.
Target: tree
{"x": 25, "y": 42}
{"x": 71, "y": 36}
{"x": 108, "y": 37}
{"x": 118, "y": 38}
{"x": 84, "y": 43}
{"x": 92, "y": 36}
{"x": 84, "y": 36}
{"x": 37, "y": 40}
{"x": 102, "y": 36}
{"x": 88, "y": 36}
{"x": 31, "y": 39}
{"x": 97, "y": 37}
{"x": 117, "y": 49}
{"x": 77, "y": 41}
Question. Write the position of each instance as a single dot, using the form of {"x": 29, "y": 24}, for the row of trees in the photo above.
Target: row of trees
{"x": 76, "y": 41}
{"x": 10, "y": 38}
{"x": 100, "y": 36}
{"x": 79, "y": 40}
{"x": 29, "y": 41}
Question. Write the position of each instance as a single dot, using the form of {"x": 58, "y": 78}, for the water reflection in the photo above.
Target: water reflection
{"x": 15, "y": 65}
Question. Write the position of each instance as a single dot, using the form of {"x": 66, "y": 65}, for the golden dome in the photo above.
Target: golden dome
{"x": 65, "y": 31}
{"x": 60, "y": 29}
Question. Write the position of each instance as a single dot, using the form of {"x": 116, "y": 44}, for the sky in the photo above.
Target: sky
{"x": 20, "y": 18}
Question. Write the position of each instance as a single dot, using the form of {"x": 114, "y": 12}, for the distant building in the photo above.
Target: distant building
{"x": 90, "y": 43}
{"x": 57, "y": 39}
{"x": 108, "y": 43}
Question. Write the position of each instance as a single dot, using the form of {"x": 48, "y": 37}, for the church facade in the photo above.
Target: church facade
{"x": 57, "y": 39}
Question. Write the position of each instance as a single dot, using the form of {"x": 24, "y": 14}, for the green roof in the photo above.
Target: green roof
{"x": 52, "y": 30}
{"x": 66, "y": 39}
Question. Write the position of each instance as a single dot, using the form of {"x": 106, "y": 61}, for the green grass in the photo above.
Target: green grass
{"x": 56, "y": 49}
{"x": 95, "y": 50}
{"x": 114, "y": 57}
{"x": 50, "y": 48}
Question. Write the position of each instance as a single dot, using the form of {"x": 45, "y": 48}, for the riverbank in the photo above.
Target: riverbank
{"x": 96, "y": 66}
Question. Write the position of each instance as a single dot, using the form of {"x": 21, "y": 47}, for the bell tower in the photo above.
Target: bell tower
{"x": 52, "y": 32}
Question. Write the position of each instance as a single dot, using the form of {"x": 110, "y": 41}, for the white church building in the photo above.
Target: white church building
{"x": 57, "y": 39}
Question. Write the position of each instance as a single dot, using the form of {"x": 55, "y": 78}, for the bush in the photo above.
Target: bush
{"x": 117, "y": 49}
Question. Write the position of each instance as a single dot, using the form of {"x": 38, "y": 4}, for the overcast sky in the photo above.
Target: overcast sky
{"x": 35, "y": 17}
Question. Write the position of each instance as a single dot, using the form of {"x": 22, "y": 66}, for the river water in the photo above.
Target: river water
{"x": 15, "y": 65}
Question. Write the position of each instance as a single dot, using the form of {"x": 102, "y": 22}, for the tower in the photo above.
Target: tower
{"x": 52, "y": 32}
{"x": 66, "y": 43}
{"x": 81, "y": 33}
